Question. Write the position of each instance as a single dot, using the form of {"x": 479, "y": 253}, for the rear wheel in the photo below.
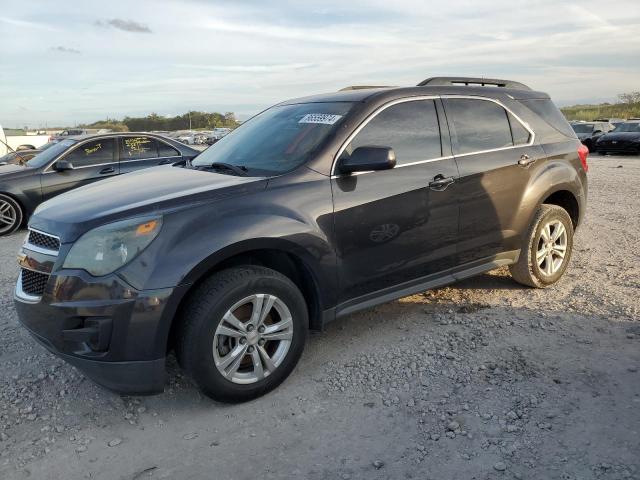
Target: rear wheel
{"x": 11, "y": 215}
{"x": 243, "y": 332}
{"x": 547, "y": 248}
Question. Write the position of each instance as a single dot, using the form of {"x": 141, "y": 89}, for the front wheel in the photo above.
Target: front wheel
{"x": 546, "y": 249}
{"x": 11, "y": 215}
{"x": 242, "y": 333}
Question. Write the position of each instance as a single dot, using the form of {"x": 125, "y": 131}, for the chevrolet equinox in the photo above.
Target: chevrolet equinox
{"x": 314, "y": 209}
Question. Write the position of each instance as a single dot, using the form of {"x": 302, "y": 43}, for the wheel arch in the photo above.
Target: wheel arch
{"x": 276, "y": 254}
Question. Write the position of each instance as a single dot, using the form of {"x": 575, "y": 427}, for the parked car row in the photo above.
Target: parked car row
{"x": 75, "y": 161}
{"x": 609, "y": 136}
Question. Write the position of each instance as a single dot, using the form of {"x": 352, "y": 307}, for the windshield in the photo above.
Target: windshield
{"x": 277, "y": 140}
{"x": 627, "y": 127}
{"x": 50, "y": 153}
{"x": 582, "y": 127}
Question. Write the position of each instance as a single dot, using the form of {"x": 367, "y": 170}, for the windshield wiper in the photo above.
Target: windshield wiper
{"x": 239, "y": 170}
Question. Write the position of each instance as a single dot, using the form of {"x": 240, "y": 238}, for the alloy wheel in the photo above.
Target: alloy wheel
{"x": 253, "y": 338}
{"x": 552, "y": 247}
{"x": 8, "y": 216}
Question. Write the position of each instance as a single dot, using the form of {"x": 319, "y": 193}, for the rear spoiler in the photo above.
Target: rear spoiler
{"x": 472, "y": 81}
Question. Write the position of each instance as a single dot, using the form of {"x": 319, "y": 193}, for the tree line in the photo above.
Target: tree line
{"x": 628, "y": 106}
{"x": 153, "y": 121}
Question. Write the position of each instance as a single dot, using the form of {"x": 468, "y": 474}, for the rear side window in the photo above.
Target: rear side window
{"x": 166, "y": 150}
{"x": 477, "y": 125}
{"x": 546, "y": 110}
{"x": 137, "y": 148}
{"x": 95, "y": 152}
{"x": 410, "y": 128}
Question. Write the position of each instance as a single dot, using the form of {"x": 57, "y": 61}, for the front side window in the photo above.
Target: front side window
{"x": 477, "y": 125}
{"x": 137, "y": 148}
{"x": 51, "y": 151}
{"x": 95, "y": 152}
{"x": 278, "y": 139}
{"x": 411, "y": 129}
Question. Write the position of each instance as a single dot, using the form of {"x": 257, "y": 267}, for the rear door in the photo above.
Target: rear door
{"x": 141, "y": 151}
{"x": 92, "y": 160}
{"x": 494, "y": 152}
{"x": 390, "y": 226}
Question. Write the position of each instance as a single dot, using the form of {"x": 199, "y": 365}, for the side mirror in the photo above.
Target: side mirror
{"x": 364, "y": 159}
{"x": 63, "y": 166}
{"x": 596, "y": 132}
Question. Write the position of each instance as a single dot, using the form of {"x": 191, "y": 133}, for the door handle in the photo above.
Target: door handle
{"x": 107, "y": 170}
{"x": 440, "y": 183}
{"x": 525, "y": 160}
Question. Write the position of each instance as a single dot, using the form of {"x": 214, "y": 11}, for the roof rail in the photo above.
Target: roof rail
{"x": 362, "y": 87}
{"x": 472, "y": 81}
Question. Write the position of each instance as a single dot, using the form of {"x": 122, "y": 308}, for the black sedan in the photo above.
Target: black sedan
{"x": 590, "y": 132}
{"x": 624, "y": 139}
{"x": 77, "y": 161}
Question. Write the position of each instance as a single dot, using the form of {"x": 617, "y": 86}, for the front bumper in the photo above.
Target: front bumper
{"x": 113, "y": 333}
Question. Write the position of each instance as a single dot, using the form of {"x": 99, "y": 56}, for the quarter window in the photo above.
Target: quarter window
{"x": 165, "y": 150}
{"x": 521, "y": 135}
{"x": 477, "y": 125}
{"x": 410, "y": 128}
{"x": 95, "y": 152}
{"x": 136, "y": 148}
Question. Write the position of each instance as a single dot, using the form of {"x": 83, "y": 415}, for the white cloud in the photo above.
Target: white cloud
{"x": 243, "y": 56}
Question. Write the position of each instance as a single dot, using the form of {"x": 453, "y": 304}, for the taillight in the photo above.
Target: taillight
{"x": 583, "y": 153}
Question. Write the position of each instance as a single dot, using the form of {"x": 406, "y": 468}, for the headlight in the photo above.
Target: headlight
{"x": 105, "y": 249}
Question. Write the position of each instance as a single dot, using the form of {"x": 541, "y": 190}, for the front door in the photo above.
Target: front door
{"x": 92, "y": 160}
{"x": 390, "y": 226}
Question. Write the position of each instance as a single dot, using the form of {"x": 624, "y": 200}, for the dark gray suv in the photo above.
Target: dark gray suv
{"x": 314, "y": 209}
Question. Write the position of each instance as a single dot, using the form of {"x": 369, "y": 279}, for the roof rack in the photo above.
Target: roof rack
{"x": 473, "y": 81}
{"x": 362, "y": 87}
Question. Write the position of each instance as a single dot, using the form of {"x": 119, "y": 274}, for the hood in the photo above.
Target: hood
{"x": 627, "y": 136}
{"x": 144, "y": 192}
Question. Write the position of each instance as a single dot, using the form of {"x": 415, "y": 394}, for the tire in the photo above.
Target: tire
{"x": 209, "y": 336}
{"x": 11, "y": 215}
{"x": 540, "y": 264}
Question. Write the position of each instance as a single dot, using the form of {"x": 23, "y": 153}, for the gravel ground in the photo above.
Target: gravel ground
{"x": 481, "y": 380}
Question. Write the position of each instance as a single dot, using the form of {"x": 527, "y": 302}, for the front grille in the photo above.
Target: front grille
{"x": 33, "y": 283}
{"x": 43, "y": 240}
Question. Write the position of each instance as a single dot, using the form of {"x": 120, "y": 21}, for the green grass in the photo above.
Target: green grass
{"x": 604, "y": 110}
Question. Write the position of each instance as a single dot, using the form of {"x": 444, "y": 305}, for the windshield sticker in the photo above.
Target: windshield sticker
{"x": 323, "y": 118}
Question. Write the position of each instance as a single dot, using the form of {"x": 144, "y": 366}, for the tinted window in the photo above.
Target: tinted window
{"x": 95, "y": 152}
{"x": 410, "y": 128}
{"x": 477, "y": 125}
{"x": 278, "y": 139}
{"x": 550, "y": 114}
{"x": 165, "y": 150}
{"x": 135, "y": 148}
{"x": 520, "y": 134}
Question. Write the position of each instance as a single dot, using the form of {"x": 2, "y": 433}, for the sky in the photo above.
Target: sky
{"x": 67, "y": 62}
